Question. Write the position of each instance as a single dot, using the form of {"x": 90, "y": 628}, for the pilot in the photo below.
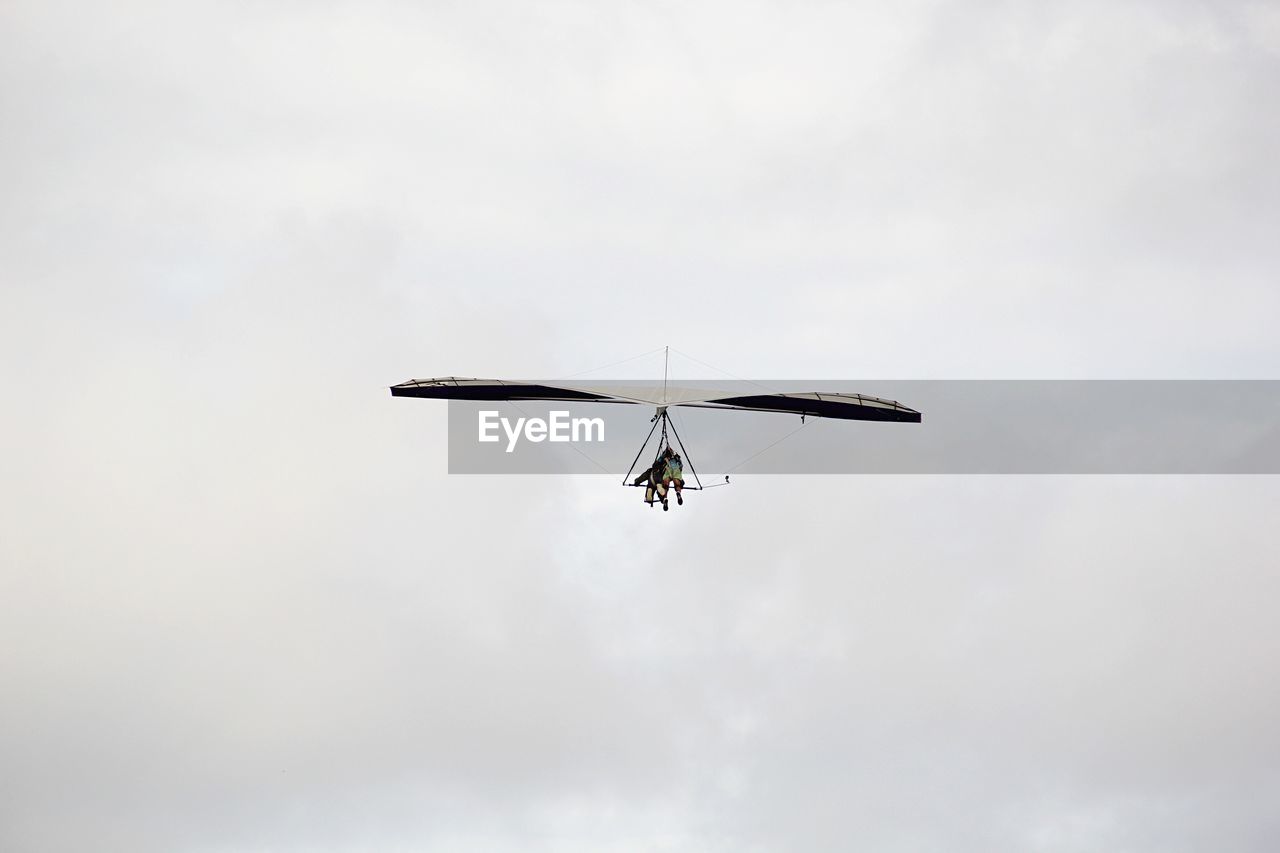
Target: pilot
{"x": 673, "y": 473}
{"x": 656, "y": 485}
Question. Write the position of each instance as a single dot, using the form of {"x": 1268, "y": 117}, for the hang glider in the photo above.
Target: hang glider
{"x": 668, "y": 465}
{"x": 842, "y": 406}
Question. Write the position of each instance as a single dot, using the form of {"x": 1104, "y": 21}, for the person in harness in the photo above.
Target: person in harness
{"x": 667, "y": 471}
{"x": 654, "y": 484}
{"x": 673, "y": 473}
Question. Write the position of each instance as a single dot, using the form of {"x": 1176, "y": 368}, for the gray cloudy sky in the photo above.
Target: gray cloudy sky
{"x": 242, "y": 608}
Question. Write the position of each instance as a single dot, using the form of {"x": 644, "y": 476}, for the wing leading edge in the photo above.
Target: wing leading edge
{"x": 856, "y": 407}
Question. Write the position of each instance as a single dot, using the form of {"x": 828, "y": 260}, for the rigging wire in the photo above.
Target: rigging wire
{"x": 803, "y": 424}
{"x": 572, "y": 446}
{"x": 616, "y": 363}
{"x": 727, "y": 373}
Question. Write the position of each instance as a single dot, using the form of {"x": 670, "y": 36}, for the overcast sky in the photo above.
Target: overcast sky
{"x": 243, "y": 608}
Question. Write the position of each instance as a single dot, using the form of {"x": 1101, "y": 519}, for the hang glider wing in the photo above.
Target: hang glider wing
{"x": 849, "y": 407}
{"x": 455, "y": 388}
{"x": 855, "y": 407}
